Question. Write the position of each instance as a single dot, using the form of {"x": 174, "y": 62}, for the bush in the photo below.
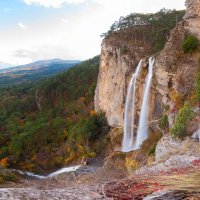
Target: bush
{"x": 131, "y": 164}
{"x": 87, "y": 135}
{"x": 197, "y": 88}
{"x": 164, "y": 122}
{"x": 185, "y": 115}
{"x": 149, "y": 146}
{"x": 6, "y": 176}
{"x": 177, "y": 98}
{"x": 190, "y": 44}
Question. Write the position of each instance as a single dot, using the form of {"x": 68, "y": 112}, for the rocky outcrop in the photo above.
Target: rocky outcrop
{"x": 116, "y": 69}
{"x": 115, "y": 72}
{"x": 192, "y": 17}
{"x": 193, "y": 9}
{"x": 174, "y": 163}
{"x": 167, "y": 147}
{"x": 173, "y": 155}
{"x": 196, "y": 135}
{"x": 173, "y": 71}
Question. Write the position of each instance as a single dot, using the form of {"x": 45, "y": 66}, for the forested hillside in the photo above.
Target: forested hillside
{"x": 65, "y": 130}
{"x": 152, "y": 29}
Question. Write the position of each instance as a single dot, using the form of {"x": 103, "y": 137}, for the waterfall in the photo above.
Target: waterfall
{"x": 142, "y": 133}
{"x": 128, "y": 138}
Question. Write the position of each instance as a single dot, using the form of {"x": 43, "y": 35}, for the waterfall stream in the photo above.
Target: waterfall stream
{"x": 131, "y": 142}
{"x": 128, "y": 139}
{"x": 142, "y": 133}
{"x": 60, "y": 171}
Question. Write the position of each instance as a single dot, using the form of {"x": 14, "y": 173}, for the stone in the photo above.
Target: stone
{"x": 192, "y": 17}
{"x": 166, "y": 195}
{"x": 175, "y": 162}
{"x": 193, "y": 9}
{"x": 196, "y": 135}
{"x": 167, "y": 146}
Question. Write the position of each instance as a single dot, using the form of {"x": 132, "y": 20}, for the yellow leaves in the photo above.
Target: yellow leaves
{"x": 91, "y": 154}
{"x": 82, "y": 99}
{"x": 65, "y": 134}
{"x": 72, "y": 156}
{"x": 131, "y": 164}
{"x": 93, "y": 113}
{"x": 34, "y": 158}
{"x": 81, "y": 149}
{"x": 4, "y": 162}
{"x": 177, "y": 98}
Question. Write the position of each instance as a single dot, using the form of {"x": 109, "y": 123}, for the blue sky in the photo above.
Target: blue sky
{"x": 69, "y": 29}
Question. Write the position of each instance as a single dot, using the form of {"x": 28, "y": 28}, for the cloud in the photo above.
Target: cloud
{"x": 66, "y": 21}
{"x": 52, "y": 3}
{"x": 22, "y": 26}
{"x": 70, "y": 33}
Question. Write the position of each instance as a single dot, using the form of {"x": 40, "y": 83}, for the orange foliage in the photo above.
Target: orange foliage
{"x": 82, "y": 99}
{"x": 93, "y": 113}
{"x": 177, "y": 98}
{"x": 4, "y": 162}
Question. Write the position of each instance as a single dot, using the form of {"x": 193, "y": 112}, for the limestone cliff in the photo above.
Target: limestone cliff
{"x": 174, "y": 71}
{"x": 116, "y": 69}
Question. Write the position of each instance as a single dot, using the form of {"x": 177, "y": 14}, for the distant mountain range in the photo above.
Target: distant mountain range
{"x": 34, "y": 71}
{"x": 4, "y": 65}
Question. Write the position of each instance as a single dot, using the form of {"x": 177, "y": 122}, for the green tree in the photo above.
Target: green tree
{"x": 197, "y": 88}
{"x": 185, "y": 115}
{"x": 190, "y": 44}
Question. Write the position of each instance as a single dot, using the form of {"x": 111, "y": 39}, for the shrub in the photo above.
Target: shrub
{"x": 149, "y": 146}
{"x": 197, "y": 88}
{"x": 131, "y": 164}
{"x": 177, "y": 98}
{"x": 6, "y": 176}
{"x": 190, "y": 44}
{"x": 164, "y": 122}
{"x": 185, "y": 115}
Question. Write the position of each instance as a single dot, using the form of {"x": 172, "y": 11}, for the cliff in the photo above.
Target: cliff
{"x": 171, "y": 71}
{"x": 116, "y": 69}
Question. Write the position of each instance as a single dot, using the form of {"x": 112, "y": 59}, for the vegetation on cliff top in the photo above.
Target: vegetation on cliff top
{"x": 148, "y": 28}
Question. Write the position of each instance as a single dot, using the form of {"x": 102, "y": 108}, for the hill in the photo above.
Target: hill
{"x": 34, "y": 71}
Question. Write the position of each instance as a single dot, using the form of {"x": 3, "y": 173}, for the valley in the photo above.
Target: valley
{"x": 123, "y": 125}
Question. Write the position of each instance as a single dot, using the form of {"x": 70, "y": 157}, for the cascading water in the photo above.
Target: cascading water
{"x": 142, "y": 133}
{"x": 128, "y": 139}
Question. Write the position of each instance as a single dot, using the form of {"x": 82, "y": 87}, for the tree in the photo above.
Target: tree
{"x": 185, "y": 115}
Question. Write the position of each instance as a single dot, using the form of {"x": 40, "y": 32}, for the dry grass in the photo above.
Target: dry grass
{"x": 188, "y": 181}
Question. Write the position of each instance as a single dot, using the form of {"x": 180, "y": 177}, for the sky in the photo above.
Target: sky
{"x": 33, "y": 30}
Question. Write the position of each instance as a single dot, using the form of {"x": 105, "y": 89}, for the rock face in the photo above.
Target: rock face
{"x": 116, "y": 70}
{"x": 174, "y": 72}
{"x": 192, "y": 17}
{"x": 193, "y": 9}
{"x": 168, "y": 146}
